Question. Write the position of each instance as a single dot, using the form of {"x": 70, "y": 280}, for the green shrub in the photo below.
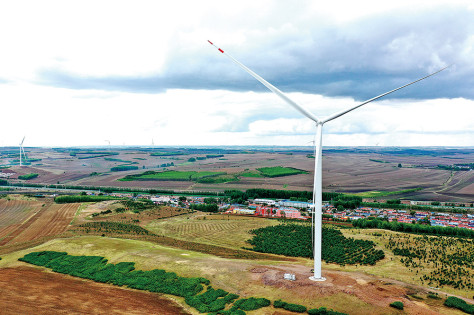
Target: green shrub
{"x": 397, "y": 305}
{"x": 295, "y": 308}
{"x": 460, "y": 304}
{"x": 229, "y": 312}
{"x": 211, "y": 301}
{"x": 28, "y": 176}
{"x": 434, "y": 296}
{"x": 323, "y": 311}
{"x": 289, "y": 306}
{"x": 251, "y": 304}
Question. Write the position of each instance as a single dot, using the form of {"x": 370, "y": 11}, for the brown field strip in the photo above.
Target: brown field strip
{"x": 54, "y": 219}
{"x": 13, "y": 247}
{"x": 16, "y": 211}
{"x": 27, "y": 290}
{"x": 4, "y": 231}
{"x": 24, "y": 226}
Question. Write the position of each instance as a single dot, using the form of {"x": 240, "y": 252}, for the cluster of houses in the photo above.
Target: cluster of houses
{"x": 301, "y": 210}
{"x": 404, "y": 216}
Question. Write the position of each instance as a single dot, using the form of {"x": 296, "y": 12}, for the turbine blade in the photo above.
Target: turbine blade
{"x": 22, "y": 141}
{"x": 270, "y": 87}
{"x": 334, "y": 116}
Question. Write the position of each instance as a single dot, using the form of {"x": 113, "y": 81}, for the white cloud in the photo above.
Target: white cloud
{"x": 140, "y": 39}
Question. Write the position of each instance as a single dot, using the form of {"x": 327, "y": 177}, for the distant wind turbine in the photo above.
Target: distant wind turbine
{"x": 317, "y": 187}
{"x": 22, "y": 151}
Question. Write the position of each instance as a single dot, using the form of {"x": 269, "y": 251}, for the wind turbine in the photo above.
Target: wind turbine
{"x": 317, "y": 186}
{"x": 22, "y": 151}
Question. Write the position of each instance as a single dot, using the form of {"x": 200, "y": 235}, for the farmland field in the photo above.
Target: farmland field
{"x": 13, "y": 213}
{"x": 415, "y": 269}
{"x": 350, "y": 170}
{"x": 222, "y": 230}
{"x": 278, "y": 171}
{"x": 209, "y": 245}
{"x": 48, "y": 219}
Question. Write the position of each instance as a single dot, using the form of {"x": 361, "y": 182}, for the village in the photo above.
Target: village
{"x": 300, "y": 210}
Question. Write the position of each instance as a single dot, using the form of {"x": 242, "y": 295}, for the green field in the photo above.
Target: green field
{"x": 278, "y": 171}
{"x": 377, "y": 194}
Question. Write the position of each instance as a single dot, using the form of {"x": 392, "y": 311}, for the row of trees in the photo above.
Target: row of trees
{"x": 276, "y": 194}
{"x": 122, "y": 274}
{"x": 122, "y": 168}
{"x": 83, "y": 198}
{"x": 108, "y": 189}
{"x": 114, "y": 228}
{"x": 375, "y": 223}
{"x": 205, "y": 207}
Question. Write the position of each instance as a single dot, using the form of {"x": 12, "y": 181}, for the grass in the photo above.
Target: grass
{"x": 230, "y": 275}
{"x": 377, "y": 194}
{"x": 222, "y": 230}
{"x": 278, "y": 171}
{"x": 391, "y": 265}
{"x": 218, "y": 179}
{"x": 78, "y": 212}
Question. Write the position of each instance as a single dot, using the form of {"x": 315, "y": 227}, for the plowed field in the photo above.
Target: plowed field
{"x": 13, "y": 213}
{"x": 27, "y": 290}
{"x": 31, "y": 220}
{"x": 54, "y": 220}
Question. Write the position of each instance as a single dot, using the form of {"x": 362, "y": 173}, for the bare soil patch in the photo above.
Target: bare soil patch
{"x": 26, "y": 290}
{"x": 377, "y": 293}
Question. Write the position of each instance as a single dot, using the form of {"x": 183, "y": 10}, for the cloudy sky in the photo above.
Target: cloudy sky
{"x": 76, "y": 73}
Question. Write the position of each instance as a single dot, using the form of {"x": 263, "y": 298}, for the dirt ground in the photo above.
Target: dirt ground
{"x": 376, "y": 293}
{"x": 26, "y": 290}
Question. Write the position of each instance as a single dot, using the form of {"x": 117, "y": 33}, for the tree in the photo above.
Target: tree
{"x": 399, "y": 164}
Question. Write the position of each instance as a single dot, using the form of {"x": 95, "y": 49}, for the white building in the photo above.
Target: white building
{"x": 265, "y": 201}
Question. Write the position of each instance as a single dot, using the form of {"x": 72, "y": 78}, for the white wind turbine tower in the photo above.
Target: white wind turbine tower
{"x": 22, "y": 151}
{"x": 317, "y": 187}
